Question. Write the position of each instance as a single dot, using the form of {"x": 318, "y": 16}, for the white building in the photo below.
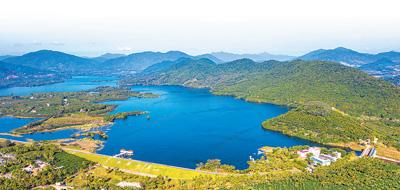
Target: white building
{"x": 315, "y": 151}
{"x": 326, "y": 159}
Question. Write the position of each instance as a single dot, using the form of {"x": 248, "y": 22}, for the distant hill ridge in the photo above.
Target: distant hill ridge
{"x": 53, "y": 61}
{"x": 349, "y": 57}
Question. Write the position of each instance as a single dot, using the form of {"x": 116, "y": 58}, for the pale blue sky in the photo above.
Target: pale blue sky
{"x": 293, "y": 27}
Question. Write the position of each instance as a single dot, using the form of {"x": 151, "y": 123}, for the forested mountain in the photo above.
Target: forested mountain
{"x": 345, "y": 90}
{"x": 227, "y": 57}
{"x": 107, "y": 56}
{"x": 17, "y": 75}
{"x": 292, "y": 82}
{"x": 54, "y": 61}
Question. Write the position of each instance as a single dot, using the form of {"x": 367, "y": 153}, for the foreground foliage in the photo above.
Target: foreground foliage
{"x": 60, "y": 166}
{"x": 366, "y": 173}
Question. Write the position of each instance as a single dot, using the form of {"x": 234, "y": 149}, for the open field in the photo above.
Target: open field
{"x": 139, "y": 167}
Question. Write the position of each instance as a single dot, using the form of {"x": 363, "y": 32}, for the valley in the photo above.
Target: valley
{"x": 170, "y": 108}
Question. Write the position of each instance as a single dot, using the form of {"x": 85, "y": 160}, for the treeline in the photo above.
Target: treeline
{"x": 123, "y": 115}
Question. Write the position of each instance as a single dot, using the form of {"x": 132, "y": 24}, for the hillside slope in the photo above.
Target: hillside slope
{"x": 288, "y": 83}
{"x": 17, "y": 75}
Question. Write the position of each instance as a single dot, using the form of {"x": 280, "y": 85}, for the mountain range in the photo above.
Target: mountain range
{"x": 385, "y": 64}
{"x": 349, "y": 57}
{"x": 227, "y": 57}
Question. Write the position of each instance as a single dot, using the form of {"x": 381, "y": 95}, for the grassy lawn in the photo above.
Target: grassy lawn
{"x": 138, "y": 167}
{"x": 76, "y": 120}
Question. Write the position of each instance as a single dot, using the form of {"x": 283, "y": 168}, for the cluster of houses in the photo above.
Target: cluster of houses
{"x": 318, "y": 158}
{"x": 38, "y": 166}
{"x": 5, "y": 157}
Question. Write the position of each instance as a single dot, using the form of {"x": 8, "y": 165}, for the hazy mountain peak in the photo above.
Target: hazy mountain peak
{"x": 259, "y": 57}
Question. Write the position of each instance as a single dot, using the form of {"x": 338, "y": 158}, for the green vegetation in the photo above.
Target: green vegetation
{"x": 320, "y": 123}
{"x": 59, "y": 103}
{"x": 215, "y": 166}
{"x": 108, "y": 178}
{"x": 32, "y": 165}
{"x": 123, "y": 115}
{"x": 280, "y": 168}
{"x": 349, "y": 104}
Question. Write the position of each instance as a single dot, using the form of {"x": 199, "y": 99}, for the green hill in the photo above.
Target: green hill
{"x": 288, "y": 83}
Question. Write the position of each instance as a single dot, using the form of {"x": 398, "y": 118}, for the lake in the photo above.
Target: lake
{"x": 74, "y": 84}
{"x": 186, "y": 126}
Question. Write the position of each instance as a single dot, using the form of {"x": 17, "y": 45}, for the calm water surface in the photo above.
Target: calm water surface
{"x": 186, "y": 126}
{"x": 70, "y": 85}
{"x": 189, "y": 126}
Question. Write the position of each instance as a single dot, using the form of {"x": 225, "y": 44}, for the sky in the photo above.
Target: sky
{"x": 293, "y": 27}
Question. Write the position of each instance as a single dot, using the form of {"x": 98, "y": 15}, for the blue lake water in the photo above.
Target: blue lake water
{"x": 74, "y": 84}
{"x": 9, "y": 123}
{"x": 186, "y": 126}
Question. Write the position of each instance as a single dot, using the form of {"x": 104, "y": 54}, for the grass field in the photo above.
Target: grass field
{"x": 138, "y": 167}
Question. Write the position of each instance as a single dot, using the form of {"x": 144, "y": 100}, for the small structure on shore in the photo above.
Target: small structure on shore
{"x": 124, "y": 154}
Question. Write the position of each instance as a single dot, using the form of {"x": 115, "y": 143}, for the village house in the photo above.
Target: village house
{"x": 124, "y": 184}
{"x": 32, "y": 169}
{"x": 2, "y": 161}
